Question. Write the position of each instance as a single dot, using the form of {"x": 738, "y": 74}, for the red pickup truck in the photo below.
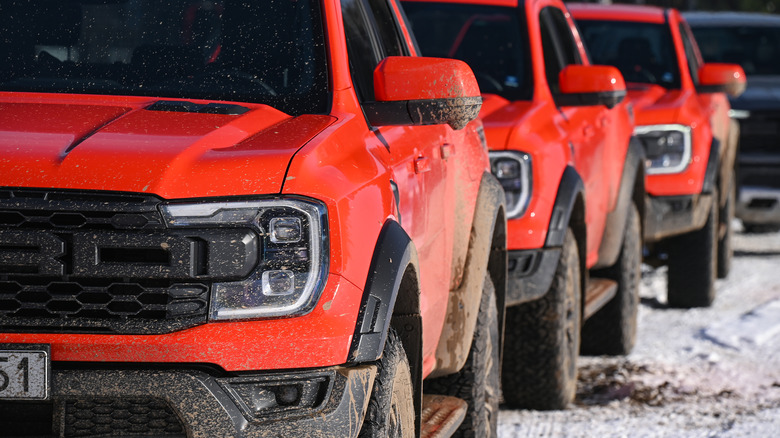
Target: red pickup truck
{"x": 561, "y": 145}
{"x": 242, "y": 219}
{"x": 682, "y": 117}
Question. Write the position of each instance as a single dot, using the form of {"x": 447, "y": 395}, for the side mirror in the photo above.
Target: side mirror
{"x": 722, "y": 78}
{"x": 586, "y": 85}
{"x": 423, "y": 91}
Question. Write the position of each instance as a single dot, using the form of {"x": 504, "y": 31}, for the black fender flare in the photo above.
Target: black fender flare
{"x": 570, "y": 187}
{"x": 713, "y": 167}
{"x": 612, "y": 239}
{"x": 394, "y": 254}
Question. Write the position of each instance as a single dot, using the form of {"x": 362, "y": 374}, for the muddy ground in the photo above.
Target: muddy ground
{"x": 694, "y": 373}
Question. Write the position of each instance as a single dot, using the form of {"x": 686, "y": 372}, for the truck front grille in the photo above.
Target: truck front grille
{"x": 95, "y": 262}
{"x": 759, "y": 133}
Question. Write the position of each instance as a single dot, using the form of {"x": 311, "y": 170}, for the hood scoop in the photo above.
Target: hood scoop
{"x": 191, "y": 107}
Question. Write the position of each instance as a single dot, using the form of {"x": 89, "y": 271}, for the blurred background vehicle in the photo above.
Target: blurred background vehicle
{"x": 682, "y": 118}
{"x": 751, "y": 40}
{"x": 561, "y": 145}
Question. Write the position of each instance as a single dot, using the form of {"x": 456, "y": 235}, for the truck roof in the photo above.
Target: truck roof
{"x": 732, "y": 19}
{"x": 593, "y": 11}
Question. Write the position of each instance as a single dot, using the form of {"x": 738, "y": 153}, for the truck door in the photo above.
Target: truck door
{"x": 412, "y": 153}
{"x": 584, "y": 124}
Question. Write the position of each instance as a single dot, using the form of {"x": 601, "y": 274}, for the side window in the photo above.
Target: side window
{"x": 387, "y": 28}
{"x": 552, "y": 65}
{"x": 363, "y": 53}
{"x": 558, "y": 45}
{"x": 690, "y": 54}
{"x": 563, "y": 35}
{"x": 372, "y": 35}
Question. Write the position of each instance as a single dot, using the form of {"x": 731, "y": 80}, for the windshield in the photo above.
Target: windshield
{"x": 756, "y": 49}
{"x": 492, "y": 40}
{"x": 264, "y": 51}
{"x": 643, "y": 52}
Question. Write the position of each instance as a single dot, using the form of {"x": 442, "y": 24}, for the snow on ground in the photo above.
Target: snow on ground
{"x": 711, "y": 372}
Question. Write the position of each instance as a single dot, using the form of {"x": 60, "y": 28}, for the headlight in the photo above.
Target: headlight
{"x": 291, "y": 270}
{"x": 513, "y": 171}
{"x": 667, "y": 147}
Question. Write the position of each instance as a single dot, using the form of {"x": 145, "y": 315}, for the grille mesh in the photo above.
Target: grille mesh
{"x": 39, "y": 290}
{"x": 105, "y": 417}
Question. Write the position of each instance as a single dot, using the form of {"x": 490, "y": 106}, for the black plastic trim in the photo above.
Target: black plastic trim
{"x": 530, "y": 274}
{"x": 570, "y": 186}
{"x": 456, "y": 111}
{"x": 713, "y": 164}
{"x": 673, "y": 215}
{"x": 607, "y": 98}
{"x": 206, "y": 407}
{"x": 394, "y": 251}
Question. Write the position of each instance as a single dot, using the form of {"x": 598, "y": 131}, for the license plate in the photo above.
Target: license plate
{"x": 24, "y": 372}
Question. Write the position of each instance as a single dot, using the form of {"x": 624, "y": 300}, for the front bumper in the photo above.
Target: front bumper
{"x": 194, "y": 403}
{"x": 759, "y": 205}
{"x": 530, "y": 274}
{"x": 667, "y": 216}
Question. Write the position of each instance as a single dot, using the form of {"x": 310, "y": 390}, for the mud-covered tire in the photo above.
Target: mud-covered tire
{"x": 478, "y": 381}
{"x": 612, "y": 330}
{"x": 390, "y": 411}
{"x": 542, "y": 340}
{"x": 693, "y": 265}
{"x": 725, "y": 249}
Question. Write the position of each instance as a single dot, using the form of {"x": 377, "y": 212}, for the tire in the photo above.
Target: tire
{"x": 612, "y": 330}
{"x": 542, "y": 340}
{"x": 478, "y": 382}
{"x": 725, "y": 249}
{"x": 390, "y": 412}
{"x": 693, "y": 265}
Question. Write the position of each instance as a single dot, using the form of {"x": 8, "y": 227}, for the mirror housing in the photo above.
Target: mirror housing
{"x": 722, "y": 78}
{"x": 412, "y": 90}
{"x": 586, "y": 85}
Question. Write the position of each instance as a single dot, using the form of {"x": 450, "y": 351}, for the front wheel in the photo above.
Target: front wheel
{"x": 390, "y": 412}
{"x": 693, "y": 264}
{"x": 725, "y": 250}
{"x": 542, "y": 340}
{"x": 477, "y": 383}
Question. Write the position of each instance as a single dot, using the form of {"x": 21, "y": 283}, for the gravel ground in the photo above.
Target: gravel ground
{"x": 711, "y": 372}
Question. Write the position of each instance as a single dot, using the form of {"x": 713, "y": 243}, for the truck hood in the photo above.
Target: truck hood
{"x": 762, "y": 93}
{"x": 653, "y": 104}
{"x": 502, "y": 118}
{"x": 169, "y": 148}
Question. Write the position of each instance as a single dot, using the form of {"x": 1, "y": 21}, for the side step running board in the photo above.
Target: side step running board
{"x": 598, "y": 293}
{"x": 441, "y": 415}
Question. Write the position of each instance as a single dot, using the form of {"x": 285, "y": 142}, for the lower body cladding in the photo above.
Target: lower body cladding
{"x": 667, "y": 216}
{"x": 759, "y": 205}
{"x": 173, "y": 403}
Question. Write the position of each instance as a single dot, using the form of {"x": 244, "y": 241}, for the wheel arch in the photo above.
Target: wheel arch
{"x": 391, "y": 298}
{"x": 631, "y": 186}
{"x": 569, "y": 212}
{"x": 486, "y": 256}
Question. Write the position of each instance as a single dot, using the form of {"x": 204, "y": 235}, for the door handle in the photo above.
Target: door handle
{"x": 422, "y": 165}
